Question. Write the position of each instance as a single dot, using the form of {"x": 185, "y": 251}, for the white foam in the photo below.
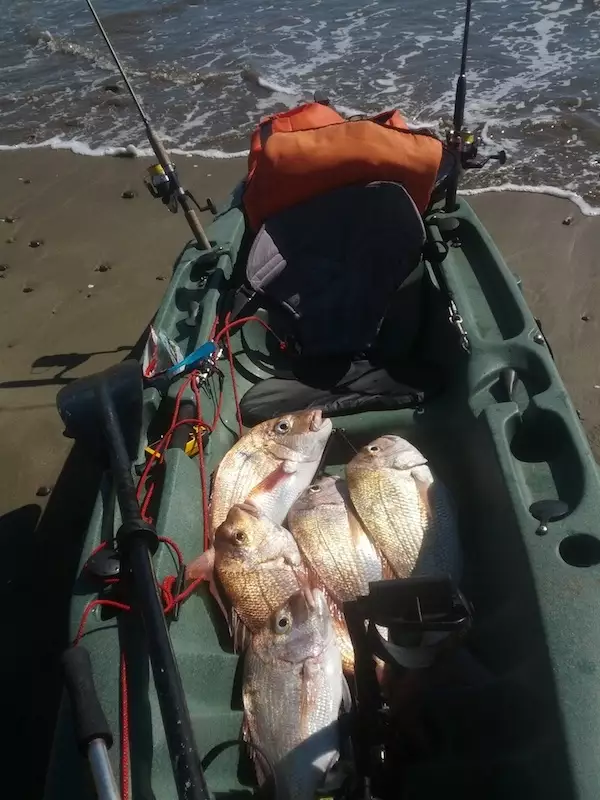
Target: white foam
{"x": 84, "y": 149}
{"x": 273, "y": 86}
{"x": 566, "y": 194}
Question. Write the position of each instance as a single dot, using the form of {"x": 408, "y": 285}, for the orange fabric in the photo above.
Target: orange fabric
{"x": 308, "y": 115}
{"x": 291, "y": 167}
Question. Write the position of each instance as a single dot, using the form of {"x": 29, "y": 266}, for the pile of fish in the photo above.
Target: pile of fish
{"x": 288, "y": 549}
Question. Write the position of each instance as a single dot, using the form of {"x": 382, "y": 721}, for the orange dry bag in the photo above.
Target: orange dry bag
{"x": 311, "y": 149}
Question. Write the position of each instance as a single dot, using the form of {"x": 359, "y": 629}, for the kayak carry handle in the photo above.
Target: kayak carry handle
{"x": 89, "y": 718}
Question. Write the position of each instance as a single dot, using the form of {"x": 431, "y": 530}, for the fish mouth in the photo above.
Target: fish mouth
{"x": 318, "y": 421}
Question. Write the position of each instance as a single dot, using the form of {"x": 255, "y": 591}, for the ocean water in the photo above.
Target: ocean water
{"x": 207, "y": 70}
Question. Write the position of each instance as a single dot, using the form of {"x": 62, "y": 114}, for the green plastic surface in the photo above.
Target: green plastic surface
{"x": 533, "y": 731}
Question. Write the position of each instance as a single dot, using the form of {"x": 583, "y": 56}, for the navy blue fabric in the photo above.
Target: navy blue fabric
{"x": 335, "y": 263}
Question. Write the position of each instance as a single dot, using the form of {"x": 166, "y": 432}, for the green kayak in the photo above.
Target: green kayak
{"x": 504, "y": 436}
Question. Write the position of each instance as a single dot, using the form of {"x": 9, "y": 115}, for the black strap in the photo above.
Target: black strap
{"x": 243, "y": 302}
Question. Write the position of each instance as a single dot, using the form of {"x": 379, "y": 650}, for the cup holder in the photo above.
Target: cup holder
{"x": 580, "y": 550}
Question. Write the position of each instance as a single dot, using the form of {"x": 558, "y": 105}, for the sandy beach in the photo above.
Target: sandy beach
{"x": 80, "y": 300}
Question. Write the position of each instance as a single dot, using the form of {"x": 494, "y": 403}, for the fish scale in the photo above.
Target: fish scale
{"x": 341, "y": 558}
{"x": 270, "y": 465}
{"x": 257, "y": 563}
{"x": 407, "y": 512}
{"x": 292, "y": 693}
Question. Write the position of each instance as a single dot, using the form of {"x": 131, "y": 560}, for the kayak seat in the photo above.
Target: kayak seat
{"x": 341, "y": 279}
{"x": 332, "y": 264}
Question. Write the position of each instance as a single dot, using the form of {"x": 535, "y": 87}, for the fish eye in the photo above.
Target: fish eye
{"x": 315, "y": 488}
{"x": 239, "y": 536}
{"x": 373, "y": 448}
{"x": 282, "y": 426}
{"x": 283, "y": 623}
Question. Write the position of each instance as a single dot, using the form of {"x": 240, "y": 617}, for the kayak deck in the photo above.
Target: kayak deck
{"x": 532, "y": 729}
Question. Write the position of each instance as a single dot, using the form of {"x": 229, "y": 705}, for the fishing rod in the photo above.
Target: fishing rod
{"x": 455, "y": 138}
{"x": 166, "y": 184}
{"x": 463, "y": 143}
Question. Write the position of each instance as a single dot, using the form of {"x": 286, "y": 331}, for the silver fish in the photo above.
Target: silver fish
{"x": 339, "y": 554}
{"x": 407, "y": 512}
{"x": 271, "y": 465}
{"x": 258, "y": 564}
{"x": 293, "y": 690}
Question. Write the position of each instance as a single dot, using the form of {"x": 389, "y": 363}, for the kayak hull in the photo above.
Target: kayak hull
{"x": 503, "y": 434}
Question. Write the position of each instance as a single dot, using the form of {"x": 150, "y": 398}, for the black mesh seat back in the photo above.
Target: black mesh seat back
{"x": 335, "y": 263}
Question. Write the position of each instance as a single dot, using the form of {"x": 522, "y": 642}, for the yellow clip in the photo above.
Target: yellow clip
{"x": 191, "y": 448}
{"x": 154, "y": 453}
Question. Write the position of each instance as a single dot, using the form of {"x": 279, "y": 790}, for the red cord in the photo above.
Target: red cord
{"x": 202, "y": 466}
{"x": 124, "y": 731}
{"x": 91, "y": 606}
{"x": 168, "y": 584}
{"x": 242, "y": 321}
{"x": 166, "y": 438}
{"x": 174, "y": 546}
{"x": 236, "y": 399}
{"x": 146, "y": 503}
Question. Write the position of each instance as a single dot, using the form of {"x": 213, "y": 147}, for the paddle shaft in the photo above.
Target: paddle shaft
{"x": 104, "y": 779}
{"x": 135, "y": 543}
{"x": 92, "y": 732}
{"x": 156, "y": 144}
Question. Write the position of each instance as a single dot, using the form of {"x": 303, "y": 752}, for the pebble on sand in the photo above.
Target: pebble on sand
{"x": 567, "y": 220}
{"x": 160, "y": 278}
{"x": 585, "y": 317}
{"x": 4, "y": 267}
{"x": 43, "y": 491}
{"x": 104, "y": 267}
{"x": 11, "y": 240}
{"x": 10, "y": 220}
{"x": 129, "y": 194}
{"x": 27, "y": 289}
{"x": 36, "y": 243}
{"x": 26, "y": 181}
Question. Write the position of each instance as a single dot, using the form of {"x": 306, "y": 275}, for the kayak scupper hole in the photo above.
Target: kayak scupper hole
{"x": 580, "y": 550}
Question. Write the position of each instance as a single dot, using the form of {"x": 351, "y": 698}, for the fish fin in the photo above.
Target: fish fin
{"x": 340, "y": 628}
{"x": 240, "y": 633}
{"x": 259, "y": 769}
{"x": 346, "y": 696}
{"x": 273, "y": 479}
{"x": 218, "y": 597}
{"x": 424, "y": 487}
{"x": 387, "y": 571}
{"x": 202, "y": 567}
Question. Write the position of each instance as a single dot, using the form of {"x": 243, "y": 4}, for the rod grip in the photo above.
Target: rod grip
{"x": 88, "y": 716}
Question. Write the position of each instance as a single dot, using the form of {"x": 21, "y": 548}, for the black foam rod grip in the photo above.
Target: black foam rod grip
{"x": 90, "y": 722}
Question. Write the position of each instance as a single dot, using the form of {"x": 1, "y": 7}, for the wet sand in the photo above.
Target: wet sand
{"x": 60, "y": 316}
{"x": 559, "y": 266}
{"x": 81, "y": 300}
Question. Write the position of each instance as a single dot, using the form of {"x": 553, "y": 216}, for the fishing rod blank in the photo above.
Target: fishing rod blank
{"x": 459, "y": 114}
{"x": 182, "y": 197}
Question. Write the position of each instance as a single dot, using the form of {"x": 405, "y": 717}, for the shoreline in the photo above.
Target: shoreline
{"x": 133, "y": 152}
